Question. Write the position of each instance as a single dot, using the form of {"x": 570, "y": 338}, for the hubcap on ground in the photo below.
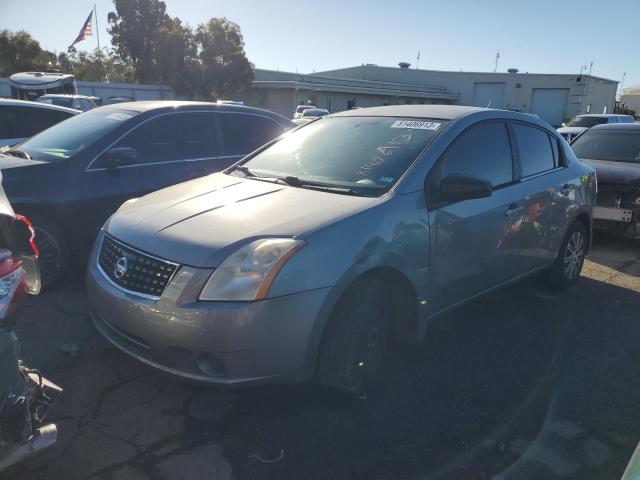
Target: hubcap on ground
{"x": 50, "y": 255}
{"x": 574, "y": 255}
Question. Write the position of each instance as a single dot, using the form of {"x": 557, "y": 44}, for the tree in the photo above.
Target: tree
{"x": 96, "y": 66}
{"x": 161, "y": 49}
{"x": 20, "y": 52}
{"x": 225, "y": 67}
{"x": 135, "y": 27}
{"x": 175, "y": 61}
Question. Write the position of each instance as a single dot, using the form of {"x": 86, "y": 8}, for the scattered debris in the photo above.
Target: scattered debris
{"x": 71, "y": 349}
{"x": 265, "y": 460}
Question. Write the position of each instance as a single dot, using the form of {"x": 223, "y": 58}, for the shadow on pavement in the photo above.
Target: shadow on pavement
{"x": 524, "y": 384}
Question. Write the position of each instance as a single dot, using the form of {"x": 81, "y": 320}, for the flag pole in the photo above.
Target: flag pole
{"x": 95, "y": 14}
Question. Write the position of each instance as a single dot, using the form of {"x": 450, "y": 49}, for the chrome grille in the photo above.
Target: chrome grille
{"x": 134, "y": 270}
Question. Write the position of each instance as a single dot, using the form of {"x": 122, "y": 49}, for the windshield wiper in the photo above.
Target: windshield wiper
{"x": 301, "y": 183}
{"x": 18, "y": 153}
{"x": 244, "y": 169}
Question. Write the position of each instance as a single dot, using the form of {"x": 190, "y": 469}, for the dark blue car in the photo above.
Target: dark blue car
{"x": 70, "y": 178}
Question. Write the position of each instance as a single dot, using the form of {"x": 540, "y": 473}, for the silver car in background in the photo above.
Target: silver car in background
{"x": 581, "y": 123}
{"x": 315, "y": 254}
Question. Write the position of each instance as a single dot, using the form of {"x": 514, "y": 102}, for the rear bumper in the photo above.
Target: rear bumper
{"x": 214, "y": 342}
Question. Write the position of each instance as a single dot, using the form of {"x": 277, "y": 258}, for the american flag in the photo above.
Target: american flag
{"x": 85, "y": 31}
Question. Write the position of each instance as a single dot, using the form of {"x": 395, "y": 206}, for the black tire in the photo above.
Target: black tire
{"x": 53, "y": 245}
{"x": 357, "y": 336}
{"x": 568, "y": 265}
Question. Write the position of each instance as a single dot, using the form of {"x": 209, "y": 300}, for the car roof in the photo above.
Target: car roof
{"x": 12, "y": 102}
{"x": 451, "y": 113}
{"x": 168, "y": 105}
{"x": 603, "y": 115}
{"x": 442, "y": 112}
{"x": 66, "y": 95}
{"x": 617, "y": 126}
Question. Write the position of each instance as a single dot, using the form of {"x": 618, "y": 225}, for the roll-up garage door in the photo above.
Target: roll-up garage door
{"x": 550, "y": 104}
{"x": 488, "y": 95}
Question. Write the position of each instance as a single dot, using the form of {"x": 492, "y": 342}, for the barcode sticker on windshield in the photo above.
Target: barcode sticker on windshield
{"x": 416, "y": 124}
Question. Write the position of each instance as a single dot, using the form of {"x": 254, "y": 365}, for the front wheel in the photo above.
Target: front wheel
{"x": 355, "y": 342}
{"x": 568, "y": 265}
{"x": 54, "y": 253}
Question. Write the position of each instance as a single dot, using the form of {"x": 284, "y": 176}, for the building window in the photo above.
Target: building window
{"x": 588, "y": 108}
{"x": 604, "y": 110}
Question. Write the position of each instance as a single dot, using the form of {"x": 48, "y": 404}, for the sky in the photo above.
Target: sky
{"x": 543, "y": 36}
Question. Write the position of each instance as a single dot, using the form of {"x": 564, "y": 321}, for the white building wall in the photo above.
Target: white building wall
{"x": 588, "y": 93}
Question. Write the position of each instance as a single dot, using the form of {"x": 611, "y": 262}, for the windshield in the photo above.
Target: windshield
{"x": 303, "y": 108}
{"x": 368, "y": 154}
{"x": 587, "y": 122}
{"x": 61, "y": 101}
{"x": 71, "y": 136}
{"x": 314, "y": 112}
{"x": 612, "y": 145}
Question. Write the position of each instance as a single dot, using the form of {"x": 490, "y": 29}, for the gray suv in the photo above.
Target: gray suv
{"x": 316, "y": 253}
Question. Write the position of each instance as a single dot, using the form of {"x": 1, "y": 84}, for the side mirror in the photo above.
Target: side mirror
{"x": 119, "y": 157}
{"x": 455, "y": 188}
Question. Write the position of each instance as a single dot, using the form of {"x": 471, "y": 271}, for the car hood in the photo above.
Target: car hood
{"x": 9, "y": 161}
{"x": 618, "y": 173}
{"x": 200, "y": 222}
{"x": 571, "y": 130}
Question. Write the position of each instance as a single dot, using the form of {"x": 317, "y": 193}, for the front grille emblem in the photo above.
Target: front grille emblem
{"x": 121, "y": 267}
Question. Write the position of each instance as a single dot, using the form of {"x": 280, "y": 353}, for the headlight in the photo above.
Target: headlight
{"x": 248, "y": 273}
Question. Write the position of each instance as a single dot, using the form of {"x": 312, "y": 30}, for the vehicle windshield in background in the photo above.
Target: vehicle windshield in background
{"x": 62, "y": 102}
{"x": 73, "y": 135}
{"x": 587, "y": 122}
{"x": 367, "y": 154}
{"x": 315, "y": 112}
{"x": 615, "y": 145}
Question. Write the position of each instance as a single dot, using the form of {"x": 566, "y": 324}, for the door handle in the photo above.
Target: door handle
{"x": 513, "y": 209}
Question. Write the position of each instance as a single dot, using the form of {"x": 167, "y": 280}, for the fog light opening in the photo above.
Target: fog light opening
{"x": 210, "y": 365}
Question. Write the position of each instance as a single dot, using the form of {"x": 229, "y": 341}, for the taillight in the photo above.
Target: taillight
{"x": 32, "y": 233}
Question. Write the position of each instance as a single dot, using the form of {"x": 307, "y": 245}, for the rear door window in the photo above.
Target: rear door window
{"x": 482, "y": 151}
{"x": 22, "y": 122}
{"x": 535, "y": 150}
{"x": 12, "y": 122}
{"x": 243, "y": 133}
{"x": 173, "y": 137}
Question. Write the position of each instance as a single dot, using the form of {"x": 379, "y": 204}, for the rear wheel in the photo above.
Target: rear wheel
{"x": 357, "y": 337}
{"x": 53, "y": 247}
{"x": 568, "y": 264}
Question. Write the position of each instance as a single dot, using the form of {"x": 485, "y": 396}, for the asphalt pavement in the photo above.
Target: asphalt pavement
{"x": 526, "y": 383}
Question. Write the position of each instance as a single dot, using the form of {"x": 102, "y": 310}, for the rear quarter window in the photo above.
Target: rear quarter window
{"x": 243, "y": 133}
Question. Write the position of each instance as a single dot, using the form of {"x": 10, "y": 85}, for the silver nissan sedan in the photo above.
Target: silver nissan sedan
{"x": 314, "y": 255}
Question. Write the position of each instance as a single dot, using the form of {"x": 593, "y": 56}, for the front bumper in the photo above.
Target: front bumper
{"x": 214, "y": 342}
{"x": 619, "y": 221}
{"x": 612, "y": 214}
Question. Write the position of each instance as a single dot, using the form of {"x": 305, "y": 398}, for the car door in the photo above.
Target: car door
{"x": 105, "y": 188}
{"x": 242, "y": 133}
{"x": 172, "y": 148}
{"x": 475, "y": 243}
{"x": 549, "y": 191}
